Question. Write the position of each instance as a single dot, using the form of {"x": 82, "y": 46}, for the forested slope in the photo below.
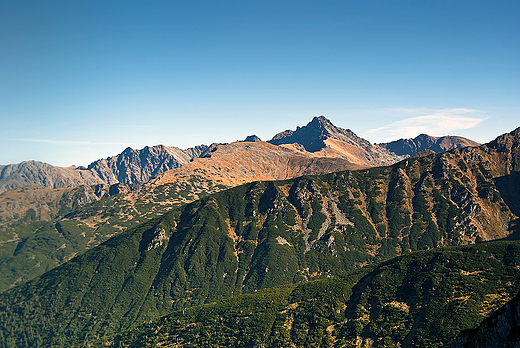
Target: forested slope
{"x": 423, "y": 299}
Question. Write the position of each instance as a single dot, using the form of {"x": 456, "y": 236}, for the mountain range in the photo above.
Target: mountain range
{"x": 130, "y": 166}
{"x": 330, "y": 149}
{"x": 264, "y": 234}
{"x": 197, "y": 172}
{"x": 320, "y": 138}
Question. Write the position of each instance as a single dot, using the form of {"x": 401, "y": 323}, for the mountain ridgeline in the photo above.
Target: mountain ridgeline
{"x": 409, "y": 147}
{"x": 130, "y": 166}
{"x": 319, "y": 138}
{"x": 265, "y": 234}
{"x": 139, "y": 166}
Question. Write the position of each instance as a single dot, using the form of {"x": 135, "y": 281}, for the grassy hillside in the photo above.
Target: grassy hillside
{"x": 423, "y": 299}
{"x": 59, "y": 224}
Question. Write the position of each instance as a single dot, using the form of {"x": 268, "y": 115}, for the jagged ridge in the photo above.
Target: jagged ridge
{"x": 130, "y": 166}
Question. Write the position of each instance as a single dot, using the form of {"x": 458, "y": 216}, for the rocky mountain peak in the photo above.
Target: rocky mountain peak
{"x": 252, "y": 139}
{"x": 509, "y": 146}
{"x": 321, "y": 122}
{"x": 313, "y": 135}
{"x": 320, "y": 135}
{"x": 506, "y": 141}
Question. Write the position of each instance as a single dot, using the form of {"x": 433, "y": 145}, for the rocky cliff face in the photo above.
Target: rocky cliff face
{"x": 409, "y": 147}
{"x": 322, "y": 138}
{"x": 135, "y": 166}
{"x": 197, "y": 151}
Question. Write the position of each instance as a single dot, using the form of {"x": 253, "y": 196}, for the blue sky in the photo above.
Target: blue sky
{"x": 82, "y": 80}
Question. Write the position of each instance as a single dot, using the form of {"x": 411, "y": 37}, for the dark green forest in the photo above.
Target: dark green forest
{"x": 423, "y": 299}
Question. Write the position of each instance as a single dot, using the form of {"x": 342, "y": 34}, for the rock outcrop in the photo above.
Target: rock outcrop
{"x": 252, "y": 139}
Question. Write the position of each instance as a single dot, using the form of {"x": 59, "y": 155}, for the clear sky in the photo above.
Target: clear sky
{"x": 83, "y": 79}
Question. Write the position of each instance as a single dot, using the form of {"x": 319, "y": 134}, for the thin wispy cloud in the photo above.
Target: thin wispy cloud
{"x": 72, "y": 142}
{"x": 431, "y": 122}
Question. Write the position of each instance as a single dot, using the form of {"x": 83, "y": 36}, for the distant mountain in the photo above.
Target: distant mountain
{"x": 322, "y": 138}
{"x": 252, "y": 139}
{"x": 43, "y": 174}
{"x": 130, "y": 166}
{"x": 409, "y": 147}
{"x": 270, "y": 233}
{"x": 138, "y": 166}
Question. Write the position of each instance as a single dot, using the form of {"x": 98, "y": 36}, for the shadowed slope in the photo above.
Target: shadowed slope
{"x": 423, "y": 299}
